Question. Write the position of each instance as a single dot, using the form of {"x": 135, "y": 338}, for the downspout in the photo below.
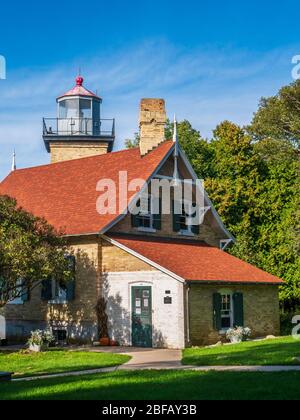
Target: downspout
{"x": 188, "y": 315}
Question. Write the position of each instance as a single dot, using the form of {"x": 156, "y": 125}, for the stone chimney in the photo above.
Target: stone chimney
{"x": 152, "y": 124}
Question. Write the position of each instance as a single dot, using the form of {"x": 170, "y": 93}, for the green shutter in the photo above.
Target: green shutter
{"x": 47, "y": 289}
{"x": 157, "y": 217}
{"x": 238, "y": 310}
{"x": 195, "y": 228}
{"x": 217, "y": 301}
{"x": 176, "y": 219}
{"x": 135, "y": 219}
{"x": 70, "y": 289}
{"x": 70, "y": 285}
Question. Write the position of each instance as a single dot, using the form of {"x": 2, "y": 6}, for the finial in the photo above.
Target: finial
{"x": 79, "y": 81}
{"x": 176, "y": 180}
{"x": 175, "y": 130}
{"x": 14, "y": 165}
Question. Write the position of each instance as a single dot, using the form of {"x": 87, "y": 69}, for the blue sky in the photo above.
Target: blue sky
{"x": 210, "y": 60}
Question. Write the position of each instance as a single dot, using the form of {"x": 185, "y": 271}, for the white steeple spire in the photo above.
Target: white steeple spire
{"x": 14, "y": 164}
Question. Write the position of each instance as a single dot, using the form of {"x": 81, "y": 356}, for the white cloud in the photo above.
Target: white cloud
{"x": 205, "y": 85}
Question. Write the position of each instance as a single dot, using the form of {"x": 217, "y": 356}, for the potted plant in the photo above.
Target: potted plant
{"x": 40, "y": 340}
{"x": 238, "y": 334}
{"x": 102, "y": 322}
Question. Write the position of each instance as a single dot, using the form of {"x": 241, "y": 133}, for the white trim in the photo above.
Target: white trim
{"x": 146, "y": 230}
{"x": 224, "y": 243}
{"x": 145, "y": 259}
{"x": 133, "y": 198}
{"x": 210, "y": 204}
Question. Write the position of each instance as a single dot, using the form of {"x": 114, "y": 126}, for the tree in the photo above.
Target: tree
{"x": 132, "y": 143}
{"x": 278, "y": 117}
{"x": 30, "y": 252}
{"x": 198, "y": 150}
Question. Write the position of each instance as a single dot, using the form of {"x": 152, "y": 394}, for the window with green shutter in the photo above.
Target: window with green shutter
{"x": 147, "y": 220}
{"x": 181, "y": 222}
{"x": 176, "y": 217}
{"x": 46, "y": 292}
{"x": 238, "y": 309}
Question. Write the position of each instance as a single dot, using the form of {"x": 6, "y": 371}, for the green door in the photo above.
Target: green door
{"x": 141, "y": 316}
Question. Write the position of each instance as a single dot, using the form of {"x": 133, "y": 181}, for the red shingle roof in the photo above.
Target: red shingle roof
{"x": 65, "y": 192}
{"x": 194, "y": 261}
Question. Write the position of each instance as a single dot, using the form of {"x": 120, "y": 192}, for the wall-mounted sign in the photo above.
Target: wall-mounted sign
{"x": 168, "y": 300}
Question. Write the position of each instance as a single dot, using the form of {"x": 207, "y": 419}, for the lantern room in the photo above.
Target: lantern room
{"x": 78, "y": 127}
{"x": 79, "y": 111}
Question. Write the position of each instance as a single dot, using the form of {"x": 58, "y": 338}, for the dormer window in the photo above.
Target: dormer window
{"x": 146, "y": 220}
{"x": 182, "y": 222}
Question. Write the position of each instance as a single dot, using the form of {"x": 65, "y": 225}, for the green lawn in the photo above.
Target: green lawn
{"x": 282, "y": 351}
{"x": 159, "y": 385}
{"x": 56, "y": 361}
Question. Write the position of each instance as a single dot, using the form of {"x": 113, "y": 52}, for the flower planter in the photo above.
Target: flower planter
{"x": 235, "y": 340}
{"x": 35, "y": 348}
{"x": 105, "y": 341}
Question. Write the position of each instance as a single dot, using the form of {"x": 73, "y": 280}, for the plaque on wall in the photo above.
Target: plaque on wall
{"x": 168, "y": 300}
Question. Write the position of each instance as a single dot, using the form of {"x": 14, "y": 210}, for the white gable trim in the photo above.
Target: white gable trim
{"x": 210, "y": 204}
{"x": 145, "y": 259}
{"x": 121, "y": 216}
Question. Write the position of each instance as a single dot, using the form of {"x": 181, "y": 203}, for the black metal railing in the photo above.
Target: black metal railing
{"x": 78, "y": 127}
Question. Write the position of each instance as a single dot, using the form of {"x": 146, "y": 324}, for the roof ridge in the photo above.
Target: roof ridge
{"x": 81, "y": 159}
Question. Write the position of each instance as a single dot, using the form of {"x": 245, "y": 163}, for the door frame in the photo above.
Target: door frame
{"x": 132, "y": 288}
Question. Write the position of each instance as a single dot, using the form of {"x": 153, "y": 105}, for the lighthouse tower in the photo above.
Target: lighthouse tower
{"x": 78, "y": 130}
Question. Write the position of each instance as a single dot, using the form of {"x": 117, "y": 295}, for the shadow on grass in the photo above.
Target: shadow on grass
{"x": 275, "y": 352}
{"x": 159, "y": 385}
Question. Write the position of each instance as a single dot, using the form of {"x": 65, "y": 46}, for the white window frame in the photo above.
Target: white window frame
{"x": 188, "y": 231}
{"x": 150, "y": 215}
{"x": 227, "y": 293}
{"x": 61, "y": 298}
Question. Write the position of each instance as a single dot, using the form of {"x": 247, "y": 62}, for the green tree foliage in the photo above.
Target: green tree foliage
{"x": 198, "y": 150}
{"x": 278, "y": 116}
{"x": 30, "y": 251}
{"x": 254, "y": 184}
{"x": 132, "y": 143}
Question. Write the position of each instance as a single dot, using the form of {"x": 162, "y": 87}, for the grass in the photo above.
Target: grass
{"x": 282, "y": 351}
{"x": 159, "y": 385}
{"x": 56, "y": 361}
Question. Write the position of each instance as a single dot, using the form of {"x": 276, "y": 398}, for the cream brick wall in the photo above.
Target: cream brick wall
{"x": 62, "y": 151}
{"x": 78, "y": 314}
{"x": 152, "y": 124}
{"x": 167, "y": 320}
{"x": 261, "y": 311}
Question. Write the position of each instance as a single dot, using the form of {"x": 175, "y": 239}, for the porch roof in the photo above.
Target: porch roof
{"x": 194, "y": 261}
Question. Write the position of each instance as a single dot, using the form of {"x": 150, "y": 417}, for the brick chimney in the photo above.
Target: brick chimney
{"x": 152, "y": 124}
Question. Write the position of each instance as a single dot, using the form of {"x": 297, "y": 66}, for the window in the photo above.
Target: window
{"x": 188, "y": 211}
{"x": 146, "y": 220}
{"x": 59, "y": 292}
{"x": 85, "y": 108}
{"x": 60, "y": 336}
{"x": 226, "y": 311}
